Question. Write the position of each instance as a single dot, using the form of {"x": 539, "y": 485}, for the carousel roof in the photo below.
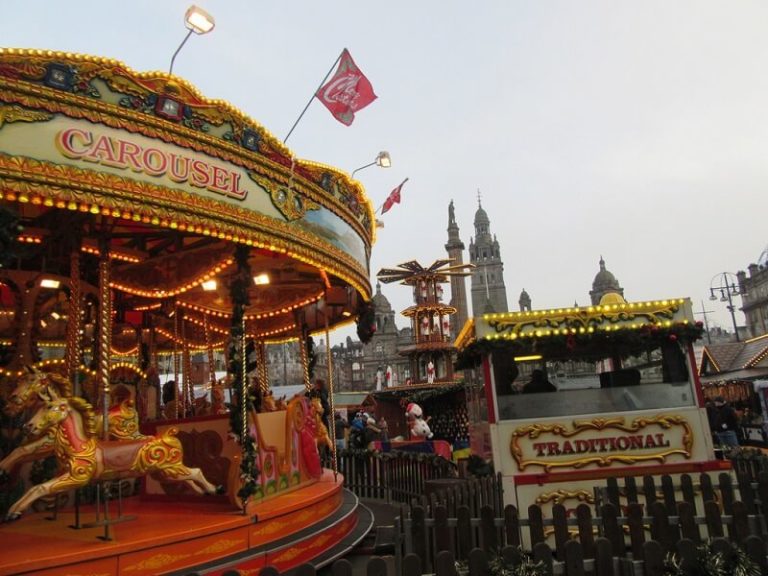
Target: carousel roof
{"x": 100, "y": 160}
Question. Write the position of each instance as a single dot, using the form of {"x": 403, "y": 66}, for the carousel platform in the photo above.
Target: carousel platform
{"x": 315, "y": 523}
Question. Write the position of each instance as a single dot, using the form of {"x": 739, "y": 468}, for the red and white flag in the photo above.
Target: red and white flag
{"x": 347, "y": 92}
{"x": 393, "y": 198}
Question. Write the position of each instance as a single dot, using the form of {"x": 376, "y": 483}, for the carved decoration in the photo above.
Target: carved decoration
{"x": 533, "y": 431}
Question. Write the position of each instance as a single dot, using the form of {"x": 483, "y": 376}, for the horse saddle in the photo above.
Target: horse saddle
{"x": 119, "y": 455}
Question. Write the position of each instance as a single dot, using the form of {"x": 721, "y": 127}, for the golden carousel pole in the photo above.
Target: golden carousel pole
{"x": 105, "y": 334}
{"x": 187, "y": 370}
{"x": 243, "y": 390}
{"x": 209, "y": 349}
{"x": 332, "y": 415}
{"x": 261, "y": 358}
{"x": 304, "y": 361}
{"x": 74, "y": 326}
{"x": 176, "y": 362}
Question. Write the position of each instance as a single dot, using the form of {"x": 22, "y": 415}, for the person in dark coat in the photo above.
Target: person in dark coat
{"x": 726, "y": 423}
{"x": 538, "y": 383}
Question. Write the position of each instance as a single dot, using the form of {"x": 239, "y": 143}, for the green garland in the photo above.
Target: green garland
{"x": 9, "y": 232}
{"x": 238, "y": 291}
{"x": 523, "y": 565}
{"x": 583, "y": 347}
{"x": 420, "y": 395}
{"x": 712, "y": 563}
{"x": 366, "y": 321}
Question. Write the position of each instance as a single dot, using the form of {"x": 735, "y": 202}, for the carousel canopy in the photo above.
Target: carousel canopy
{"x": 142, "y": 169}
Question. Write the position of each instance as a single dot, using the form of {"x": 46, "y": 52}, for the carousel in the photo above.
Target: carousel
{"x": 146, "y": 231}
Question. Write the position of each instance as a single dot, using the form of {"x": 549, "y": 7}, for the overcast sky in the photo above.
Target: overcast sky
{"x": 636, "y": 130}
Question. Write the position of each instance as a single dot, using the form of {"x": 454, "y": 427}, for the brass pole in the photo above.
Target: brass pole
{"x": 186, "y": 370}
{"x": 243, "y": 392}
{"x": 209, "y": 348}
{"x": 332, "y": 415}
{"x": 176, "y": 363}
{"x": 263, "y": 371}
{"x": 304, "y": 361}
{"x": 75, "y": 322}
{"x": 105, "y": 334}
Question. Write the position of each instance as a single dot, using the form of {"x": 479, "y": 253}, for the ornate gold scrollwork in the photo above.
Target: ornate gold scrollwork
{"x": 561, "y": 495}
{"x": 14, "y": 113}
{"x": 665, "y": 421}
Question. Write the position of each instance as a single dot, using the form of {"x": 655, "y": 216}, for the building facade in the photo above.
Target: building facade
{"x": 489, "y": 293}
{"x": 753, "y": 286}
{"x": 363, "y": 367}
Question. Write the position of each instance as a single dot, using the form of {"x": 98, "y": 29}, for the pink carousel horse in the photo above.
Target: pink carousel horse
{"x": 83, "y": 458}
{"x": 123, "y": 419}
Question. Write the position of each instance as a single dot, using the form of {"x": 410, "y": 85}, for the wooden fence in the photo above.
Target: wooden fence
{"x": 464, "y": 529}
{"x": 394, "y": 477}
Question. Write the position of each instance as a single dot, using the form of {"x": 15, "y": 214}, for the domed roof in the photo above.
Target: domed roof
{"x": 612, "y": 298}
{"x": 605, "y": 279}
{"x": 481, "y": 216}
{"x": 380, "y": 302}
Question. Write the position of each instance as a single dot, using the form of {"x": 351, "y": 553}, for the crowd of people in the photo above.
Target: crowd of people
{"x": 360, "y": 432}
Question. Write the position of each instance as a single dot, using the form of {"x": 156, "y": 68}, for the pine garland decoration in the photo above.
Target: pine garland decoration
{"x": 366, "y": 321}
{"x": 9, "y": 232}
{"x": 586, "y": 347}
{"x": 238, "y": 291}
{"x": 708, "y": 562}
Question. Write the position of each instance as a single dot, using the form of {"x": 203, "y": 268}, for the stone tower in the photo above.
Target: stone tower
{"x": 455, "y": 249}
{"x": 488, "y": 291}
{"x": 604, "y": 283}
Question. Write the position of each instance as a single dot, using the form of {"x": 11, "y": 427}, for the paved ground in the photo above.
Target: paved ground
{"x": 384, "y": 515}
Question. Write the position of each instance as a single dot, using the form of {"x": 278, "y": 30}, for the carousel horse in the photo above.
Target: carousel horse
{"x": 268, "y": 403}
{"x": 84, "y": 458}
{"x": 322, "y": 438}
{"x": 123, "y": 419}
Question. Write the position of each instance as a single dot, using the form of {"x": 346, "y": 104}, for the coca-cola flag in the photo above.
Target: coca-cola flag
{"x": 347, "y": 92}
{"x": 393, "y": 198}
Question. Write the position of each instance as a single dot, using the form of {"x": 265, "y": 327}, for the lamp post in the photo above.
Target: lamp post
{"x": 382, "y": 161}
{"x": 198, "y": 21}
{"x": 727, "y": 287}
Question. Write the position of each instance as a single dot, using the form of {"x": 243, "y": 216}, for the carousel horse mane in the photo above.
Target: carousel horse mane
{"x": 62, "y": 383}
{"x": 86, "y": 411}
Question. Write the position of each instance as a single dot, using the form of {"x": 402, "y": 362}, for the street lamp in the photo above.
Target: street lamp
{"x": 198, "y": 21}
{"x": 727, "y": 288}
{"x": 382, "y": 161}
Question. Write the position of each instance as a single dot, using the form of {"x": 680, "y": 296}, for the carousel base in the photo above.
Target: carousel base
{"x": 316, "y": 523}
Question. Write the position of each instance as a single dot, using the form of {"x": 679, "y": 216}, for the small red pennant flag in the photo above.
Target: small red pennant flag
{"x": 393, "y": 198}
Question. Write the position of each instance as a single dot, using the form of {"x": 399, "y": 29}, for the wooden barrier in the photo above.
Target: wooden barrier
{"x": 393, "y": 477}
{"x": 463, "y": 530}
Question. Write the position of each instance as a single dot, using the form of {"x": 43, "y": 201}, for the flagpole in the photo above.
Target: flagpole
{"x": 322, "y": 82}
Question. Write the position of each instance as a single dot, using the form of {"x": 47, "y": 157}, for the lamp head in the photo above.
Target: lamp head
{"x": 383, "y": 160}
{"x": 198, "y": 20}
